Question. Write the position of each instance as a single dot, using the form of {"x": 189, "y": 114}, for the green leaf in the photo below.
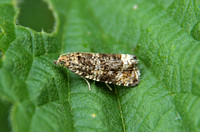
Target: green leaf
{"x": 4, "y": 113}
{"x": 163, "y": 34}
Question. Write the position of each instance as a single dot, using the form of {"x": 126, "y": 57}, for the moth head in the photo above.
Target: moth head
{"x": 59, "y": 62}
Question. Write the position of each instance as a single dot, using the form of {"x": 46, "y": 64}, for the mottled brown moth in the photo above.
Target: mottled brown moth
{"x": 119, "y": 69}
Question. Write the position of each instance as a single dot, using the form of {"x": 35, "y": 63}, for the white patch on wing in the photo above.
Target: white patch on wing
{"x": 127, "y": 60}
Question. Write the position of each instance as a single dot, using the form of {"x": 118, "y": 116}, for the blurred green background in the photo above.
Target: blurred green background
{"x": 36, "y": 15}
{"x": 5, "y": 125}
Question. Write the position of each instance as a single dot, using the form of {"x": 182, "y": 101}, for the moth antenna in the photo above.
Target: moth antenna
{"x": 87, "y": 83}
{"x": 108, "y": 86}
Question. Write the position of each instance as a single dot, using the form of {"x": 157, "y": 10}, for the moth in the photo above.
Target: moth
{"x": 118, "y": 69}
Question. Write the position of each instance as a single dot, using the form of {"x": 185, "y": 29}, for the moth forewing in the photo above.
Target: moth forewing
{"x": 119, "y": 69}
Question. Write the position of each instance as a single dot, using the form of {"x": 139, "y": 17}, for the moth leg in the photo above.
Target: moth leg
{"x": 108, "y": 86}
{"x": 87, "y": 83}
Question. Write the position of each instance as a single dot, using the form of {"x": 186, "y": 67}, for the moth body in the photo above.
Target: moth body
{"x": 119, "y": 69}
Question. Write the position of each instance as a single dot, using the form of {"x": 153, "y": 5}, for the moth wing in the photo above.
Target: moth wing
{"x": 128, "y": 78}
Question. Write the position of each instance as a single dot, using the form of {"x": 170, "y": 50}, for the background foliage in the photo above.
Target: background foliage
{"x": 38, "y": 95}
